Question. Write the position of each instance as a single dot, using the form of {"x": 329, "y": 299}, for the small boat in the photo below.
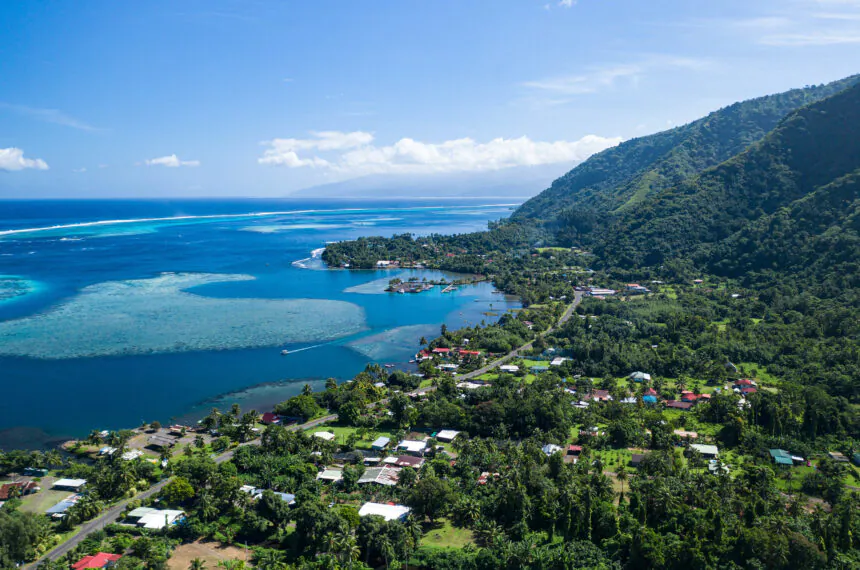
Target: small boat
{"x": 412, "y": 361}
{"x": 285, "y": 352}
{"x": 389, "y": 366}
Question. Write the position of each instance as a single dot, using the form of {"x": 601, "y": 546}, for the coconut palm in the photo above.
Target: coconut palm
{"x": 197, "y": 564}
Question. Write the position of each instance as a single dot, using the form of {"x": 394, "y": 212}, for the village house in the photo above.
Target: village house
{"x": 380, "y": 443}
{"x": 154, "y": 519}
{"x": 641, "y": 377}
{"x": 324, "y": 435}
{"x": 75, "y": 485}
{"x": 390, "y": 512}
{"x": 332, "y": 475}
{"x": 58, "y": 511}
{"x": 270, "y": 418}
{"x": 550, "y": 449}
{"x": 412, "y": 447}
{"x": 677, "y": 405}
{"x": 707, "y": 451}
{"x": 98, "y": 560}
{"x": 509, "y": 368}
{"x": 447, "y": 435}
{"x": 380, "y": 475}
{"x": 9, "y": 490}
{"x": 405, "y": 461}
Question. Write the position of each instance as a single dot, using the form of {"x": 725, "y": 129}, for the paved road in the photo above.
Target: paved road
{"x": 112, "y": 514}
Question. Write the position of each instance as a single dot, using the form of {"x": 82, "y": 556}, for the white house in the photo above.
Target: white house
{"x": 388, "y": 512}
{"x": 551, "y": 448}
{"x": 70, "y": 484}
{"x": 509, "y": 368}
{"x": 412, "y": 446}
{"x": 447, "y": 435}
{"x": 708, "y": 451}
{"x": 333, "y": 475}
{"x": 326, "y": 435}
{"x": 558, "y": 361}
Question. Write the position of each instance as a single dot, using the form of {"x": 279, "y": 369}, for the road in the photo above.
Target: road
{"x": 112, "y": 514}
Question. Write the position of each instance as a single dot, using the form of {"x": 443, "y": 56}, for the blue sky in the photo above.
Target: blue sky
{"x": 260, "y": 98}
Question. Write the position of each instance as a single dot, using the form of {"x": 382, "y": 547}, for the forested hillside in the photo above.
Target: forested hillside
{"x": 810, "y": 149}
{"x": 622, "y": 177}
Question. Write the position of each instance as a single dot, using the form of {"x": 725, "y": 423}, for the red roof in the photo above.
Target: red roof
{"x": 26, "y": 488}
{"x": 679, "y": 405}
{"x": 270, "y": 418}
{"x": 441, "y": 350}
{"x": 704, "y": 396}
{"x": 748, "y": 390}
{"x": 574, "y": 449}
{"x": 471, "y": 352}
{"x": 100, "y": 560}
{"x": 744, "y": 382}
{"x": 650, "y": 392}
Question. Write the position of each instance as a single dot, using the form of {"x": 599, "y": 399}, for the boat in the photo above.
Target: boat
{"x": 389, "y": 366}
{"x": 285, "y": 352}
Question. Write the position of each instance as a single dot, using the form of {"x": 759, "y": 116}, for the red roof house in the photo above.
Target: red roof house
{"x": 748, "y": 390}
{"x": 744, "y": 382}
{"x": 679, "y": 405}
{"x": 441, "y": 350}
{"x": 25, "y": 488}
{"x": 270, "y": 418}
{"x": 574, "y": 450}
{"x": 650, "y": 392}
{"x": 100, "y": 560}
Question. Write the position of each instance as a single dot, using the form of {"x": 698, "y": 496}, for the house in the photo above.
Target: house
{"x": 28, "y": 488}
{"x": 381, "y": 264}
{"x": 161, "y": 442}
{"x": 58, "y": 511}
{"x": 781, "y": 457}
{"x": 748, "y": 390}
{"x": 600, "y": 395}
{"x": 441, "y": 350}
{"x": 698, "y": 281}
{"x": 99, "y": 560}
{"x": 447, "y": 435}
{"x": 159, "y": 519}
{"x": 509, "y": 368}
{"x": 649, "y": 399}
{"x": 132, "y": 454}
{"x": 651, "y": 392}
{"x": 389, "y": 512}
{"x": 270, "y": 418}
{"x": 470, "y": 385}
{"x": 707, "y": 451}
{"x": 686, "y": 434}
{"x": 837, "y": 457}
{"x": 333, "y": 475}
{"x": 75, "y": 485}
{"x": 640, "y": 377}
{"x": 405, "y": 461}
{"x": 558, "y": 361}
{"x": 379, "y": 475}
{"x": 744, "y": 382}
{"x": 485, "y": 476}
{"x": 574, "y": 449}
{"x": 34, "y": 472}
{"x": 598, "y": 292}
{"x": 450, "y": 367}
{"x": 324, "y": 435}
{"x": 629, "y": 400}
{"x": 550, "y": 449}
{"x": 636, "y": 459}
{"x": 636, "y": 289}
{"x": 674, "y": 404}
{"x": 412, "y": 447}
{"x": 380, "y": 443}
{"x": 107, "y": 450}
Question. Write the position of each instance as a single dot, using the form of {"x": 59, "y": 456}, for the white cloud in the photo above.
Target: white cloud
{"x": 79, "y": 170}
{"x": 54, "y": 116}
{"x": 171, "y": 161}
{"x": 599, "y": 78}
{"x": 814, "y": 38}
{"x": 357, "y": 155}
{"x": 13, "y": 159}
{"x": 567, "y": 3}
{"x": 802, "y": 23}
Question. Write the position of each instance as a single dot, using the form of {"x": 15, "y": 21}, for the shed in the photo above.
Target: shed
{"x": 509, "y": 368}
{"x": 447, "y": 435}
{"x": 70, "y": 484}
{"x": 412, "y": 446}
{"x": 324, "y": 435}
{"x": 380, "y": 475}
{"x": 641, "y": 377}
{"x": 333, "y": 475}
{"x": 708, "y": 451}
{"x": 550, "y": 448}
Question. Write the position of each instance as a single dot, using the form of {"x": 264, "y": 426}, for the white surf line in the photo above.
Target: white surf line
{"x": 234, "y": 216}
{"x": 308, "y": 348}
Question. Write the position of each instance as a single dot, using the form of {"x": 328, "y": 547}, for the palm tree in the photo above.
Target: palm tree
{"x": 307, "y": 390}
{"x": 197, "y": 564}
{"x": 422, "y": 341}
{"x": 232, "y": 564}
{"x": 621, "y": 475}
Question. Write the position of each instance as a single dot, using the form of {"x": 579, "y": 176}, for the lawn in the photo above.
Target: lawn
{"x": 43, "y": 500}
{"x": 447, "y": 536}
{"x": 614, "y": 458}
{"x": 342, "y": 432}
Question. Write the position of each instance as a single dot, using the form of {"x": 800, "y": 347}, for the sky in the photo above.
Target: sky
{"x": 188, "y": 98}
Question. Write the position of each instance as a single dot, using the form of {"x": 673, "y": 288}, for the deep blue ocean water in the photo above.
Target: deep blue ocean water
{"x": 103, "y": 326}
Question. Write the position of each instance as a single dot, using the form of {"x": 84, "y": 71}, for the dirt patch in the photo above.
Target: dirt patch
{"x": 209, "y": 552}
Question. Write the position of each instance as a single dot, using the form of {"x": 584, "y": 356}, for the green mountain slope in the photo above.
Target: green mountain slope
{"x": 810, "y": 149}
{"x": 618, "y": 179}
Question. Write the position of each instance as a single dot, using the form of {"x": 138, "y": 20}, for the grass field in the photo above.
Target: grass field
{"x": 447, "y": 536}
{"x": 342, "y": 432}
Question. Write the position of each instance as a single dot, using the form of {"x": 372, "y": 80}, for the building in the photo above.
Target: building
{"x": 601, "y": 395}
{"x": 447, "y": 435}
{"x": 333, "y": 475}
{"x": 686, "y": 434}
{"x": 389, "y": 512}
{"x": 441, "y": 350}
{"x": 714, "y": 467}
{"x": 132, "y": 454}
{"x": 100, "y": 560}
{"x": 558, "y": 361}
{"x": 550, "y": 448}
{"x": 270, "y": 418}
{"x": 636, "y": 289}
{"x": 379, "y": 475}
{"x": 837, "y": 457}
{"x": 58, "y": 511}
{"x": 324, "y": 435}
{"x": 649, "y": 399}
{"x": 781, "y": 457}
{"x": 412, "y": 447}
{"x": 161, "y": 442}
{"x": 636, "y": 459}
{"x": 574, "y": 450}
{"x": 707, "y": 451}
{"x": 75, "y": 485}
{"x": 509, "y": 368}
{"x": 8, "y": 490}
{"x": 404, "y": 461}
{"x": 641, "y": 377}
{"x": 598, "y": 292}
{"x": 35, "y": 472}
{"x": 676, "y": 405}
{"x": 380, "y": 443}
{"x": 154, "y": 519}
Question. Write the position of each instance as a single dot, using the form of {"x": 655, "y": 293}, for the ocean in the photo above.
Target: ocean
{"x": 114, "y": 312}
